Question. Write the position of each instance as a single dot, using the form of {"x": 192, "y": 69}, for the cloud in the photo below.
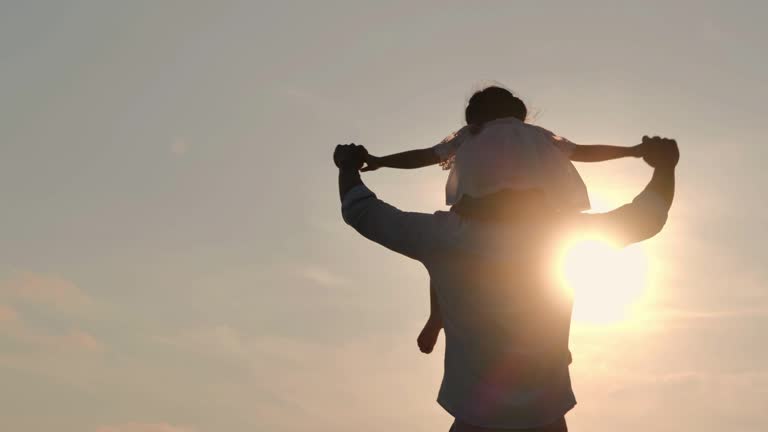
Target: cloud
{"x": 305, "y": 99}
{"x": 82, "y": 340}
{"x": 218, "y": 340}
{"x": 664, "y": 319}
{"x": 723, "y": 396}
{"x": 299, "y": 383}
{"x": 72, "y": 341}
{"x": 682, "y": 314}
{"x": 323, "y": 276}
{"x": 144, "y": 427}
{"x": 179, "y": 147}
{"x": 227, "y": 343}
{"x": 622, "y": 375}
{"x": 7, "y": 314}
{"x": 48, "y": 295}
{"x": 48, "y": 291}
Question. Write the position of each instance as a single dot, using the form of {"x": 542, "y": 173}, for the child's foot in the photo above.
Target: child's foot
{"x": 428, "y": 336}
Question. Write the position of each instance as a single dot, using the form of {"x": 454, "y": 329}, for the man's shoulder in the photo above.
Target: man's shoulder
{"x": 446, "y": 219}
{"x": 445, "y": 214}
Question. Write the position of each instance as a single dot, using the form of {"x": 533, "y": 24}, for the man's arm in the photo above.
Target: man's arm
{"x": 348, "y": 179}
{"x": 411, "y": 234}
{"x": 647, "y": 213}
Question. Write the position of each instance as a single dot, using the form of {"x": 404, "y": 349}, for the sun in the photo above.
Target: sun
{"x": 606, "y": 281}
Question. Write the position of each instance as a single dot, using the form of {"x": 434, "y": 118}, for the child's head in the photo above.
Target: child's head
{"x": 493, "y": 103}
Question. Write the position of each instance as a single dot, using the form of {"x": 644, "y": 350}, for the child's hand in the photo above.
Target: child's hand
{"x": 637, "y": 151}
{"x": 372, "y": 163}
{"x": 640, "y": 150}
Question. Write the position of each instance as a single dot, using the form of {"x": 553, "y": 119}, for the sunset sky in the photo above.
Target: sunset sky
{"x": 172, "y": 255}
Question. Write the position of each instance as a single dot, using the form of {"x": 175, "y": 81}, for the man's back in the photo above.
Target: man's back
{"x": 506, "y": 321}
{"x": 506, "y": 318}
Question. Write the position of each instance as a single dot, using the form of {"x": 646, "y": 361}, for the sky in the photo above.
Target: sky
{"x": 173, "y": 257}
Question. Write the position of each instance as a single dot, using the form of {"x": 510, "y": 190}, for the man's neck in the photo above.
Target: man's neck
{"x": 506, "y": 206}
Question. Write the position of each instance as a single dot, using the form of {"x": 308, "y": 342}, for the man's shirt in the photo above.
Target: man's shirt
{"x": 505, "y": 315}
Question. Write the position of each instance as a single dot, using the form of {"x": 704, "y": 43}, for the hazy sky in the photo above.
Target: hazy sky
{"x": 173, "y": 257}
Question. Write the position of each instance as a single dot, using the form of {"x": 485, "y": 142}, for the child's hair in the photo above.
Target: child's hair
{"x": 493, "y": 103}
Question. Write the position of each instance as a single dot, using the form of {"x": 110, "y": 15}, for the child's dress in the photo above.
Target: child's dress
{"x": 510, "y": 154}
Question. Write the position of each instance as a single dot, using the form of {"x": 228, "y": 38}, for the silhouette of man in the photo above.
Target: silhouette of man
{"x": 506, "y": 317}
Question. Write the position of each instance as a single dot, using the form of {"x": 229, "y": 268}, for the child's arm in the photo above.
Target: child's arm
{"x": 406, "y": 160}
{"x": 599, "y": 153}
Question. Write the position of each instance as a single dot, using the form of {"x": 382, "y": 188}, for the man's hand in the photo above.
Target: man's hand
{"x": 660, "y": 152}
{"x": 349, "y": 156}
{"x": 372, "y": 163}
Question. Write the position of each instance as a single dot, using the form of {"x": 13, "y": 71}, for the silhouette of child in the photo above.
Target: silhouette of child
{"x": 499, "y": 150}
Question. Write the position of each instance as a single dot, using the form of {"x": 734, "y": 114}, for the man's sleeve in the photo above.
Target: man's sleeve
{"x": 412, "y": 234}
{"x": 631, "y": 223}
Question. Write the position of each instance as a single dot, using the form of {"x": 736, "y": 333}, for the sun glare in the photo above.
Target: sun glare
{"x": 607, "y": 282}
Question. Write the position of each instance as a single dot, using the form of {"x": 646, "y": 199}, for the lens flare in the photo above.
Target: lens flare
{"x": 607, "y": 282}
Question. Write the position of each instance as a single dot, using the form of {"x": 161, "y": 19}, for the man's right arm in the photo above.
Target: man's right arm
{"x": 412, "y": 234}
{"x": 647, "y": 214}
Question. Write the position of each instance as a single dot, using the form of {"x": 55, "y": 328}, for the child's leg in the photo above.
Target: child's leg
{"x": 428, "y": 336}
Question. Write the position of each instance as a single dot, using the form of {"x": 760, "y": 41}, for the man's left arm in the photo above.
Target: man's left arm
{"x": 647, "y": 214}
